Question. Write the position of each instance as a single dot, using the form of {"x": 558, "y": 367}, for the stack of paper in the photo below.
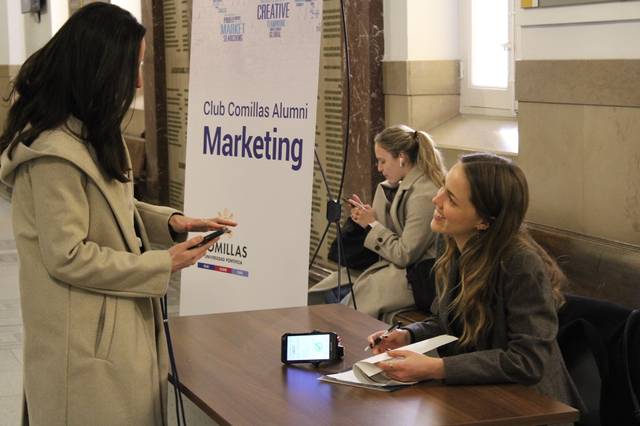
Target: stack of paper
{"x": 367, "y": 374}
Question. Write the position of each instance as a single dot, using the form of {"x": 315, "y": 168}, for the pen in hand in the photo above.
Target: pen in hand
{"x": 378, "y": 339}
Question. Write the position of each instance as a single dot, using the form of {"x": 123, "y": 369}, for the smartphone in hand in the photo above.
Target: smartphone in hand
{"x": 211, "y": 236}
{"x": 353, "y": 203}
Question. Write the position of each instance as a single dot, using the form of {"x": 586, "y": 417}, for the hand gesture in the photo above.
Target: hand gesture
{"x": 388, "y": 340}
{"x": 180, "y": 223}
{"x": 184, "y": 254}
{"x": 409, "y": 366}
{"x": 361, "y": 213}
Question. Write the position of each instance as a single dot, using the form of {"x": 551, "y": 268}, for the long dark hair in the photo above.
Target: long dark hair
{"x": 500, "y": 196}
{"x": 88, "y": 70}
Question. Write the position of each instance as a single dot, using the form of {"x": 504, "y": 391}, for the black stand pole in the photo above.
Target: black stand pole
{"x": 172, "y": 360}
{"x": 334, "y": 208}
{"x": 341, "y": 250}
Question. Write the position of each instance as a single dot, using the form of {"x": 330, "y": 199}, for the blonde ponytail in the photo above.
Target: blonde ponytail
{"x": 417, "y": 146}
{"x": 429, "y": 158}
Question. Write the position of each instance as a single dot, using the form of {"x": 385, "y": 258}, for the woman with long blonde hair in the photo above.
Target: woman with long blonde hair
{"x": 397, "y": 222}
{"x": 498, "y": 291}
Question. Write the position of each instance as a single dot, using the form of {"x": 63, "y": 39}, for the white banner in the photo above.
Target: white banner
{"x": 250, "y": 150}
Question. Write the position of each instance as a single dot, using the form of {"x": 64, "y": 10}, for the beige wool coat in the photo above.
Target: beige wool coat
{"x": 402, "y": 238}
{"x": 94, "y": 344}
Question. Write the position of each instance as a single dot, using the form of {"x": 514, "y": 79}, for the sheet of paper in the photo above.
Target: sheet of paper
{"x": 366, "y": 374}
{"x": 348, "y": 378}
{"x": 368, "y": 367}
{"x": 421, "y": 347}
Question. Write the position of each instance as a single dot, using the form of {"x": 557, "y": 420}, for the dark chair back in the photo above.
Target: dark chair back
{"x": 600, "y": 343}
{"x": 586, "y": 359}
{"x": 620, "y": 405}
{"x": 421, "y": 277}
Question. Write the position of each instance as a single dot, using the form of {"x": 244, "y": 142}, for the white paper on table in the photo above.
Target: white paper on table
{"x": 366, "y": 373}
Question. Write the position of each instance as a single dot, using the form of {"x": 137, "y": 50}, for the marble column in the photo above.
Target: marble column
{"x": 366, "y": 45}
{"x": 155, "y": 105}
{"x": 366, "y": 50}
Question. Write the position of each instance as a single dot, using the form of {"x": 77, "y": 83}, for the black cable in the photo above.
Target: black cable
{"x": 348, "y": 127}
{"x": 335, "y": 206}
{"x": 164, "y": 322}
{"x": 346, "y": 264}
{"x": 319, "y": 244}
{"x": 347, "y": 134}
{"x": 172, "y": 360}
{"x": 324, "y": 178}
{"x": 340, "y": 248}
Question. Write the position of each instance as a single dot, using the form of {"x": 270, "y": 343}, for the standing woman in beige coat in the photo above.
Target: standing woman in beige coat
{"x": 94, "y": 345}
{"x": 398, "y": 221}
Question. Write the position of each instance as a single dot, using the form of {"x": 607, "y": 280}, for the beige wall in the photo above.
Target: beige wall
{"x": 7, "y": 72}
{"x": 579, "y": 129}
{"x": 421, "y": 94}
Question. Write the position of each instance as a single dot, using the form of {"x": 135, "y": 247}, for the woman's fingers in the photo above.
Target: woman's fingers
{"x": 399, "y": 353}
{"x": 192, "y": 224}
{"x": 355, "y": 204}
{"x": 219, "y": 222}
{"x": 191, "y": 242}
{"x": 187, "y": 253}
{"x": 200, "y": 252}
{"x": 372, "y": 337}
{"x": 391, "y": 364}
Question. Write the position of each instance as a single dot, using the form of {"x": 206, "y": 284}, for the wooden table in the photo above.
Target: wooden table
{"x": 229, "y": 366}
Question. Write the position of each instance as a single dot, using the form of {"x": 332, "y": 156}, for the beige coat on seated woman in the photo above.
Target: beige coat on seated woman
{"x": 399, "y": 220}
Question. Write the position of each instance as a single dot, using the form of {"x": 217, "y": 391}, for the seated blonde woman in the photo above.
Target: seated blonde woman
{"x": 397, "y": 222}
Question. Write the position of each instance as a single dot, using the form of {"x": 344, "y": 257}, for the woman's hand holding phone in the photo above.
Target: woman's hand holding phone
{"x": 212, "y": 236}
{"x": 361, "y": 213}
{"x": 189, "y": 252}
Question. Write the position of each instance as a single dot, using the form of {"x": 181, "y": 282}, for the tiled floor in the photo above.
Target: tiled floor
{"x": 11, "y": 321}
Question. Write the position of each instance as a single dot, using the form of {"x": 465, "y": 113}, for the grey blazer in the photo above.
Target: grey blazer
{"x": 520, "y": 346}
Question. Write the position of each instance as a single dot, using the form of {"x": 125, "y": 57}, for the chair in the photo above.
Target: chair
{"x": 586, "y": 359}
{"x": 421, "y": 277}
{"x": 620, "y": 406}
{"x": 600, "y": 343}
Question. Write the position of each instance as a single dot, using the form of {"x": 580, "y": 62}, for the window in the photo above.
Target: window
{"x": 487, "y": 66}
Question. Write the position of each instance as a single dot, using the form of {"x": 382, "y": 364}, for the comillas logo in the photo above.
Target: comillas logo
{"x": 229, "y": 250}
{"x": 226, "y": 252}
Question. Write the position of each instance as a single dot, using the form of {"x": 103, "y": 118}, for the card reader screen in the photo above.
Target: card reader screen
{"x": 311, "y": 347}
